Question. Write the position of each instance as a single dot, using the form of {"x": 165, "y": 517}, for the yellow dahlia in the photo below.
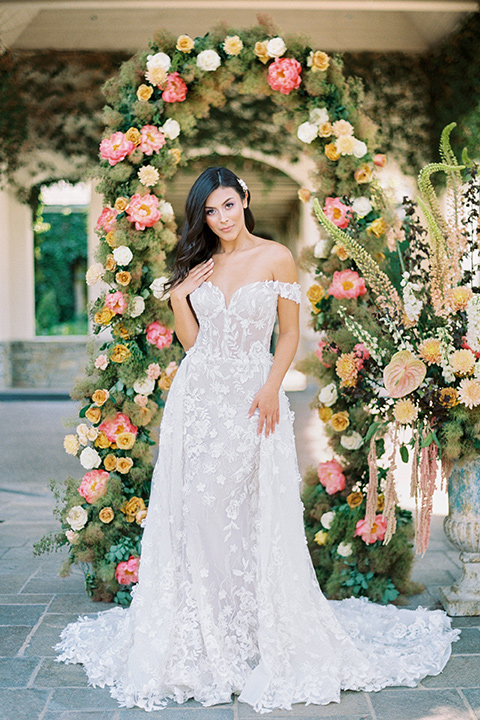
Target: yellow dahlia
{"x": 462, "y": 362}
{"x": 430, "y": 350}
{"x": 347, "y": 369}
{"x": 405, "y": 411}
{"x": 469, "y": 393}
{"x": 458, "y": 298}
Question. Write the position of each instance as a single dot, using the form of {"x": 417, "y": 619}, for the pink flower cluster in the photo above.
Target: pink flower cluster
{"x": 143, "y": 210}
{"x": 116, "y": 302}
{"x": 284, "y": 75}
{"x": 175, "y": 89}
{"x": 154, "y": 371}
{"x": 347, "y": 284}
{"x": 319, "y": 353}
{"x": 331, "y": 476}
{"x": 127, "y": 571}
{"x": 336, "y": 211}
{"x": 152, "y": 139}
{"x": 362, "y": 354}
{"x": 94, "y": 485}
{"x": 119, "y": 424}
{"x": 116, "y": 148}
{"x": 107, "y": 219}
{"x": 159, "y": 335}
{"x": 377, "y": 531}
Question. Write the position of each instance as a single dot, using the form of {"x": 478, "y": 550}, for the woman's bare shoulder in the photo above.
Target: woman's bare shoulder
{"x": 280, "y": 260}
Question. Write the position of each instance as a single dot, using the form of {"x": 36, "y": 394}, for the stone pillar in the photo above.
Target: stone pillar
{"x": 94, "y": 210}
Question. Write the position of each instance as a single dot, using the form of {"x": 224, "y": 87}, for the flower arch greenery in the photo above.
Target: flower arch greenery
{"x": 163, "y": 101}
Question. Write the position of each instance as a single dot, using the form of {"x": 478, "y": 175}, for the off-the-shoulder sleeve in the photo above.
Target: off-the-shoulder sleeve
{"x": 290, "y": 291}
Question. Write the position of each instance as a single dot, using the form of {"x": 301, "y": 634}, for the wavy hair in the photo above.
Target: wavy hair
{"x": 198, "y": 242}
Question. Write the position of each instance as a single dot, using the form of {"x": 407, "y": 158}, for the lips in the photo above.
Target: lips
{"x": 227, "y": 229}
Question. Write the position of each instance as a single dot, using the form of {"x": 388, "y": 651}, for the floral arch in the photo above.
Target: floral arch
{"x": 289, "y": 100}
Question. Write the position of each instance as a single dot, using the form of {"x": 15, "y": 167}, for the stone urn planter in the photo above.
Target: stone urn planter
{"x": 462, "y": 527}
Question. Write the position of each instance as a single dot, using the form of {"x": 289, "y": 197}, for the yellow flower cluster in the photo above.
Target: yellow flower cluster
{"x": 430, "y": 350}
{"x": 315, "y": 293}
{"x": 134, "y": 510}
{"x": 405, "y": 411}
{"x": 340, "y": 421}
{"x": 347, "y": 369}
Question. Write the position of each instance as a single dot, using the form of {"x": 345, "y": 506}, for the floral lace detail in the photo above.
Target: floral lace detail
{"x": 227, "y": 600}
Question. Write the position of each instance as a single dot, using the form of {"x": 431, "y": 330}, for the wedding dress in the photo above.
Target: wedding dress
{"x": 227, "y": 599}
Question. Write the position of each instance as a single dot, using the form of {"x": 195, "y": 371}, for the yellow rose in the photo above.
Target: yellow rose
{"x": 121, "y": 202}
{"x": 94, "y": 414}
{"x": 103, "y": 316}
{"x": 120, "y": 353}
{"x": 340, "y": 252}
{"x": 377, "y": 228}
{"x": 176, "y": 153}
{"x": 315, "y": 293}
{"x": 102, "y": 442}
{"x": 134, "y": 136}
{"x": 124, "y": 465}
{"x": 354, "y": 499}
{"x": 106, "y": 515}
{"x": 185, "y": 43}
{"x": 123, "y": 277}
{"x": 331, "y": 152}
{"x": 125, "y": 440}
{"x": 144, "y": 93}
{"x": 318, "y": 61}
{"x": 340, "y": 421}
{"x": 363, "y": 174}
{"x": 122, "y": 332}
{"x": 325, "y": 413}
{"x": 233, "y": 45}
{"x": 110, "y": 462}
{"x": 71, "y": 444}
{"x": 304, "y": 194}
{"x": 110, "y": 238}
{"x": 260, "y": 51}
{"x": 132, "y": 507}
{"x": 100, "y": 397}
{"x": 164, "y": 382}
{"x": 110, "y": 263}
{"x": 321, "y": 537}
{"x": 325, "y": 130}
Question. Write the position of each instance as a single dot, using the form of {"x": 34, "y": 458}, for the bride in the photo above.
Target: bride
{"x": 227, "y": 600}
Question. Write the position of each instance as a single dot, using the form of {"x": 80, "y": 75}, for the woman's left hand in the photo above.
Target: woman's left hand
{"x": 266, "y": 400}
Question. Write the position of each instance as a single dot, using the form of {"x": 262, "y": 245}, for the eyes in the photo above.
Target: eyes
{"x": 211, "y": 211}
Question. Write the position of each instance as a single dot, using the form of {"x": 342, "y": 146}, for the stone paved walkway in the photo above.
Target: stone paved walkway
{"x": 35, "y": 603}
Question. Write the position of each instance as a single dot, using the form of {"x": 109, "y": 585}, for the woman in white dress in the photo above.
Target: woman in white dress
{"x": 227, "y": 600}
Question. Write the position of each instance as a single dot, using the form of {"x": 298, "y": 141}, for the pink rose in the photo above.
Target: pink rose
{"x": 175, "y": 90}
{"x": 158, "y": 335}
{"x": 143, "y": 210}
{"x": 331, "y": 476}
{"x": 116, "y": 148}
{"x": 284, "y": 75}
{"x": 337, "y": 212}
{"x": 94, "y": 485}
{"x": 152, "y": 140}
{"x": 347, "y": 284}
{"x": 379, "y": 160}
{"x": 153, "y": 371}
{"x": 116, "y": 302}
{"x": 101, "y": 362}
{"x": 119, "y": 424}
{"x": 107, "y": 219}
{"x": 377, "y": 532}
{"x": 127, "y": 571}
{"x": 141, "y": 400}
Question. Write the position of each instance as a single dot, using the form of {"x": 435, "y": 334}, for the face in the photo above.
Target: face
{"x": 224, "y": 213}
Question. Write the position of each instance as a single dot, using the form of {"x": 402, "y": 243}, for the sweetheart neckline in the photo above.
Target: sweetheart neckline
{"x": 256, "y": 282}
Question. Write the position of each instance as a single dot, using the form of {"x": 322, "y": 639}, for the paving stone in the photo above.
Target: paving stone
{"x": 418, "y": 703}
{"x": 93, "y": 715}
{"x": 461, "y": 671}
{"x": 22, "y": 704}
{"x": 80, "y": 604}
{"x": 53, "y": 674}
{"x": 473, "y": 698}
{"x": 468, "y": 643}
{"x": 182, "y": 713}
{"x": 15, "y": 582}
{"x": 12, "y": 639}
{"x": 46, "y": 636}
{"x": 84, "y": 700}
{"x": 16, "y": 672}
{"x": 24, "y": 599}
{"x": 351, "y": 705}
{"x": 466, "y": 622}
{"x": 20, "y": 614}
{"x": 57, "y": 585}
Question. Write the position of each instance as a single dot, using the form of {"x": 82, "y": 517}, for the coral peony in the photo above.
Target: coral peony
{"x": 152, "y": 140}
{"x": 331, "y": 476}
{"x": 158, "y": 335}
{"x": 116, "y": 302}
{"x": 337, "y": 212}
{"x": 284, "y": 75}
{"x": 347, "y": 284}
{"x": 175, "y": 89}
{"x": 377, "y": 531}
{"x": 94, "y": 485}
{"x": 116, "y": 148}
{"x": 119, "y": 424}
{"x": 107, "y": 219}
{"x": 403, "y": 374}
{"x": 127, "y": 571}
{"x": 143, "y": 211}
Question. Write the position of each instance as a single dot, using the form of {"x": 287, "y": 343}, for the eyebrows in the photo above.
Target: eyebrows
{"x": 209, "y": 207}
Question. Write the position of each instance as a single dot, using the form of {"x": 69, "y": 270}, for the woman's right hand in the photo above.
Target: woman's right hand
{"x": 196, "y": 276}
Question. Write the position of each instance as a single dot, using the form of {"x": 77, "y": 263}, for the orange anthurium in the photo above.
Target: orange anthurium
{"x": 403, "y": 374}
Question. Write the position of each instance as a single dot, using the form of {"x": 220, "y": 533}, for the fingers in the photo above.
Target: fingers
{"x": 269, "y": 421}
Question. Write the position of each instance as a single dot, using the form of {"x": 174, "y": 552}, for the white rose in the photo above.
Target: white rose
{"x": 157, "y": 288}
{"x": 82, "y": 429}
{"x": 166, "y": 210}
{"x": 137, "y": 306}
{"x": 144, "y": 387}
{"x": 276, "y": 47}
{"x": 159, "y": 60}
{"x": 322, "y": 249}
{"x": 327, "y": 519}
{"x": 318, "y": 116}
{"x": 344, "y": 549}
{"x": 77, "y": 517}
{"x": 359, "y": 149}
{"x": 351, "y": 442}
{"x": 89, "y": 458}
{"x": 92, "y": 434}
{"x": 171, "y": 129}
{"x": 362, "y": 206}
{"x": 122, "y": 255}
{"x": 94, "y": 273}
{"x": 208, "y": 60}
{"x": 328, "y": 394}
{"x": 307, "y": 132}
{"x": 72, "y": 536}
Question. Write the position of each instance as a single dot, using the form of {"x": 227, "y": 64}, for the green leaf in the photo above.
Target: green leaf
{"x": 427, "y": 441}
{"x": 372, "y": 430}
{"x": 404, "y": 453}
{"x": 83, "y": 410}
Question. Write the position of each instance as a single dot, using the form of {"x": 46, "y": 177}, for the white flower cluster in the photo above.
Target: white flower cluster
{"x": 473, "y": 323}
{"x": 352, "y": 441}
{"x": 308, "y": 131}
{"x": 318, "y": 124}
{"x": 370, "y": 342}
{"x": 328, "y": 395}
{"x": 444, "y": 334}
{"x": 157, "y": 288}
{"x": 413, "y": 306}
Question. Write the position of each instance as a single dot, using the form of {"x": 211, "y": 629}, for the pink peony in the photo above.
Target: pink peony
{"x": 116, "y": 148}
{"x": 152, "y": 140}
{"x": 94, "y": 485}
{"x": 347, "y": 284}
{"x": 284, "y": 75}
{"x": 377, "y": 532}
{"x": 331, "y": 476}
{"x": 119, "y": 424}
{"x": 127, "y": 571}
{"x": 107, "y": 219}
{"x": 116, "y": 302}
{"x": 158, "y": 335}
{"x": 153, "y": 371}
{"x": 143, "y": 211}
{"x": 175, "y": 90}
{"x": 337, "y": 212}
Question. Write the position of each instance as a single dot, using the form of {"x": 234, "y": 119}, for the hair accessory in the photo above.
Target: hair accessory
{"x": 243, "y": 185}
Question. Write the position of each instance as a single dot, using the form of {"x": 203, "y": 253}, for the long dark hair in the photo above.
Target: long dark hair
{"x": 198, "y": 242}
